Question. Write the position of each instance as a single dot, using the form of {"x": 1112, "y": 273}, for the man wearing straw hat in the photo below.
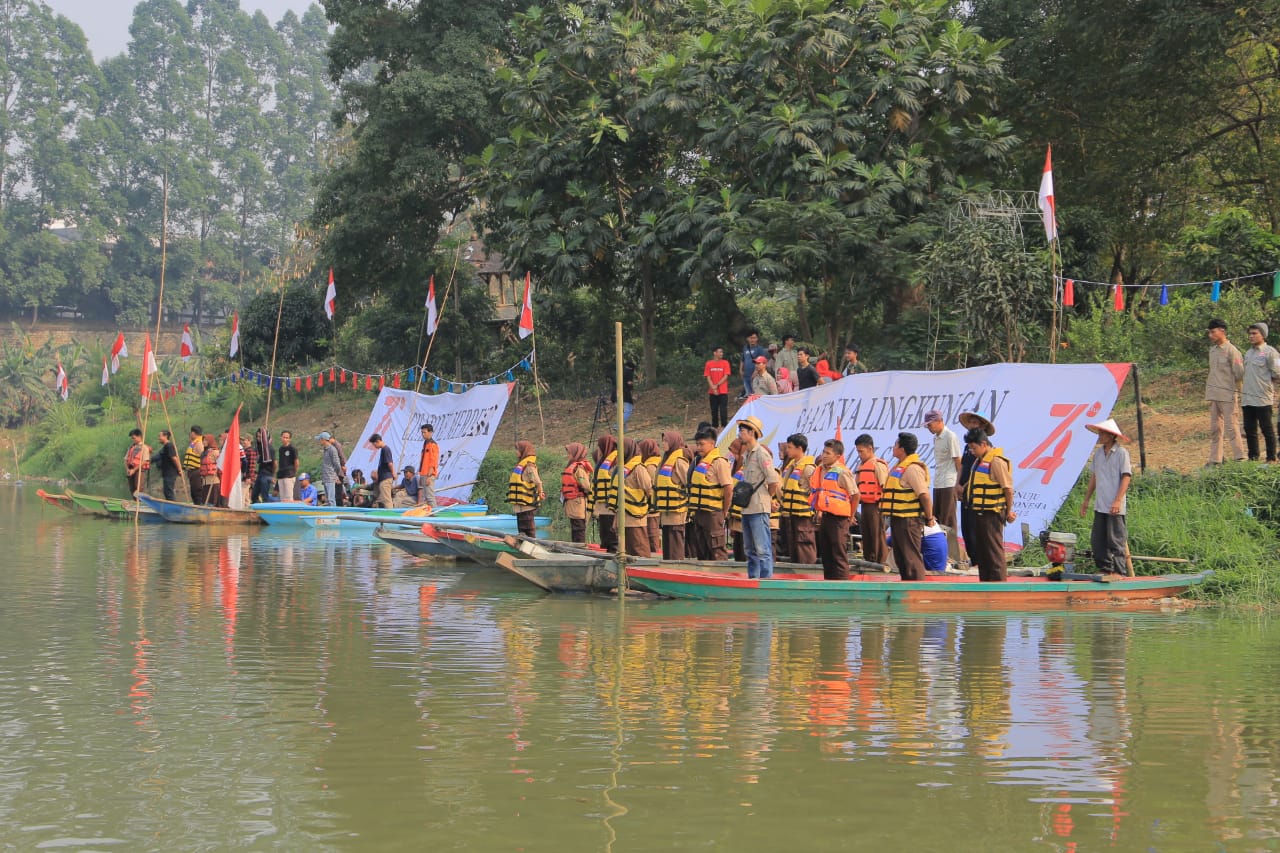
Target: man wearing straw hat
{"x": 1110, "y": 474}
{"x": 758, "y": 472}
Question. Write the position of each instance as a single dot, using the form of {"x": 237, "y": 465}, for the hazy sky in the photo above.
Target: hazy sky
{"x": 106, "y": 22}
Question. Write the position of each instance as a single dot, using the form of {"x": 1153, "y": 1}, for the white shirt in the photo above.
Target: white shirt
{"x": 946, "y": 450}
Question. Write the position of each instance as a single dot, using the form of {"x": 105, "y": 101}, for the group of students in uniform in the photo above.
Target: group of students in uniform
{"x": 678, "y": 499}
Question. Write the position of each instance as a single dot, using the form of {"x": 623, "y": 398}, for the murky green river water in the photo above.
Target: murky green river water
{"x": 171, "y": 688}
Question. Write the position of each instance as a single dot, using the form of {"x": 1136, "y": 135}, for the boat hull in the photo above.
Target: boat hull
{"x": 179, "y": 513}
{"x": 114, "y": 508}
{"x": 304, "y": 515}
{"x": 941, "y": 593}
{"x": 417, "y": 544}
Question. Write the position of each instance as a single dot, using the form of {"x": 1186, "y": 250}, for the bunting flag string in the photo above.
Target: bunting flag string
{"x": 1118, "y": 299}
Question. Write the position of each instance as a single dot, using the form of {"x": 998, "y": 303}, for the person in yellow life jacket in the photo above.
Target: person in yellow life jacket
{"x": 833, "y": 491}
{"x": 524, "y": 488}
{"x": 798, "y": 516}
{"x": 604, "y": 491}
{"x": 575, "y": 488}
{"x": 710, "y": 496}
{"x": 909, "y": 506}
{"x": 637, "y": 489}
{"x": 988, "y": 494}
{"x": 651, "y": 459}
{"x": 191, "y": 464}
{"x": 671, "y": 495}
{"x": 870, "y": 475}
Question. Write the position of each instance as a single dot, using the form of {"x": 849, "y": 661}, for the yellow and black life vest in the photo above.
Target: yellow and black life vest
{"x": 898, "y": 500}
{"x": 795, "y": 489}
{"x": 191, "y": 459}
{"x": 828, "y": 495}
{"x": 520, "y": 492}
{"x": 869, "y": 489}
{"x": 982, "y": 492}
{"x": 735, "y": 512}
{"x": 604, "y": 486}
{"x": 570, "y": 488}
{"x": 634, "y": 501}
{"x": 669, "y": 494}
{"x": 704, "y": 493}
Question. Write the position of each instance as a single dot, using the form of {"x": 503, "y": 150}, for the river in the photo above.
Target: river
{"x": 183, "y": 688}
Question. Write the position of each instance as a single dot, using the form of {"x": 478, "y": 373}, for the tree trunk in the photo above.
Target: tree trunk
{"x": 804, "y": 331}
{"x": 647, "y": 310}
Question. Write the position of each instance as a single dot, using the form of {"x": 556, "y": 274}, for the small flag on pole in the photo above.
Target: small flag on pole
{"x": 106, "y": 376}
{"x": 330, "y": 297}
{"x": 235, "y": 334}
{"x": 60, "y": 381}
{"x": 1217, "y": 291}
{"x": 1069, "y": 293}
{"x": 1164, "y": 294}
{"x": 433, "y": 317}
{"x": 1048, "y": 209}
{"x": 526, "y": 311}
{"x": 148, "y": 368}
{"x": 187, "y": 348}
{"x": 118, "y": 351}
{"x": 1119, "y": 298}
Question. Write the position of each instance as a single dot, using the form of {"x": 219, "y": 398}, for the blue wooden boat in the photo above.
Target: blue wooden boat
{"x": 180, "y": 513}
{"x": 415, "y": 543}
{"x": 292, "y": 513}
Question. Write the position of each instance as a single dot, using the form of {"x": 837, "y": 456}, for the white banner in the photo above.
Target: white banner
{"x": 464, "y": 427}
{"x": 1039, "y": 411}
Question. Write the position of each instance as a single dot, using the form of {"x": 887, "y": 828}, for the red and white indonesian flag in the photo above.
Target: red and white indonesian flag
{"x": 229, "y": 465}
{"x": 1047, "y": 209}
{"x": 235, "y": 334}
{"x": 148, "y": 368}
{"x": 188, "y": 347}
{"x": 433, "y": 316}
{"x": 330, "y": 297}
{"x": 118, "y": 351}
{"x": 106, "y": 376}
{"x": 526, "y": 310}
{"x": 60, "y": 382}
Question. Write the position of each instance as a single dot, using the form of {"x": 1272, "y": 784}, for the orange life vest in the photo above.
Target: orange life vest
{"x": 869, "y": 489}
{"x": 828, "y": 494}
{"x": 570, "y": 488}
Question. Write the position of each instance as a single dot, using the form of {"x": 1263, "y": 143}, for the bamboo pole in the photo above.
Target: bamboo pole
{"x": 619, "y": 518}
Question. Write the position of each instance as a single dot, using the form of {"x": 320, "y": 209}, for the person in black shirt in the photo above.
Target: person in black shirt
{"x": 628, "y": 386}
{"x": 166, "y": 459}
{"x": 286, "y": 466}
{"x": 807, "y": 374}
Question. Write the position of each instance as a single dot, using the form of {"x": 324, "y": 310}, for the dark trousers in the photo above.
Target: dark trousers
{"x": 655, "y": 535}
{"x": 739, "y": 551}
{"x": 637, "y": 540}
{"x": 261, "y": 487}
{"x": 987, "y": 549}
{"x": 578, "y": 530}
{"x": 673, "y": 541}
{"x": 907, "y": 536}
{"x": 137, "y": 482}
{"x": 608, "y": 532}
{"x": 719, "y": 409}
{"x": 967, "y": 534}
{"x": 709, "y": 540}
{"x": 833, "y": 536}
{"x": 1109, "y": 541}
{"x": 1256, "y": 417}
{"x": 170, "y": 480}
{"x": 944, "y": 506}
{"x": 525, "y": 523}
{"x": 802, "y": 539}
{"x": 871, "y": 526}
{"x": 195, "y": 486}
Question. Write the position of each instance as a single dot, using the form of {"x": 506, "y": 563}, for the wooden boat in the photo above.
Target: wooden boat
{"x": 477, "y": 545}
{"x": 941, "y": 592}
{"x": 416, "y": 543}
{"x": 291, "y": 513}
{"x": 180, "y": 513}
{"x": 114, "y": 508}
{"x": 570, "y": 573}
{"x": 62, "y": 502}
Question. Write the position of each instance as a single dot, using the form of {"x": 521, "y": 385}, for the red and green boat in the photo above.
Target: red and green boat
{"x": 941, "y": 592}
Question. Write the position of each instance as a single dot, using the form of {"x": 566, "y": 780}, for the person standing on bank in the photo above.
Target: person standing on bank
{"x": 1110, "y": 473}
{"x": 762, "y": 383}
{"x": 1221, "y": 391}
{"x": 429, "y": 467}
{"x": 797, "y": 513}
{"x": 286, "y": 466}
{"x": 908, "y": 505}
{"x": 575, "y": 486}
{"x": 833, "y": 490}
{"x": 1257, "y": 392}
{"x": 788, "y": 357}
{"x": 261, "y": 490}
{"x": 166, "y": 459}
{"x": 524, "y": 489}
{"x": 386, "y": 476}
{"x": 989, "y": 496}
{"x": 651, "y": 458}
{"x": 946, "y": 468}
{"x": 759, "y": 473}
{"x": 331, "y": 467}
{"x": 604, "y": 491}
{"x": 870, "y": 477}
{"x": 710, "y": 496}
{"x": 717, "y": 371}
{"x": 751, "y": 350}
{"x": 671, "y": 496}
{"x": 637, "y": 492}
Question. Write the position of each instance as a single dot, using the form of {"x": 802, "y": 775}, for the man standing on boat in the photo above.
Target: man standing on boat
{"x": 330, "y": 467}
{"x": 870, "y": 477}
{"x": 908, "y": 505}
{"x": 989, "y": 496}
{"x": 191, "y": 464}
{"x": 946, "y": 469}
{"x": 797, "y": 513}
{"x": 833, "y": 490}
{"x": 286, "y": 465}
{"x": 710, "y": 496}
{"x": 386, "y": 476}
{"x": 1221, "y": 390}
{"x": 137, "y": 461}
{"x": 759, "y": 473}
{"x": 1110, "y": 473}
{"x": 428, "y": 467}
{"x": 167, "y": 461}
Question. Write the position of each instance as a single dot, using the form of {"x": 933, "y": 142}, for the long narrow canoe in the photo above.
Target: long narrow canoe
{"x": 118, "y": 509}
{"x": 299, "y": 514}
{"x": 479, "y": 546}
{"x": 943, "y": 592}
{"x": 416, "y": 543}
{"x": 60, "y": 501}
{"x": 180, "y": 513}
{"x": 570, "y": 573}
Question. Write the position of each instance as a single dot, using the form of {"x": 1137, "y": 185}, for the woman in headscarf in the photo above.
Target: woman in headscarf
{"x": 575, "y": 488}
{"x": 604, "y": 491}
{"x": 785, "y": 385}
{"x": 524, "y": 488}
{"x": 637, "y": 488}
{"x": 266, "y": 466}
{"x": 735, "y": 512}
{"x": 649, "y": 457}
{"x": 671, "y": 495}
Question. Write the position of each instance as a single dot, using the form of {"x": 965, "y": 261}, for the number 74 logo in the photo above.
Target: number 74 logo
{"x": 1050, "y": 462}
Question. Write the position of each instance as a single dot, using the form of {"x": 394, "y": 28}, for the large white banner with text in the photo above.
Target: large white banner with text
{"x": 1039, "y": 411}
{"x": 464, "y": 427}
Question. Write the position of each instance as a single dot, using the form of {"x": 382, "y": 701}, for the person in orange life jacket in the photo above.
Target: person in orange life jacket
{"x": 869, "y": 477}
{"x": 637, "y": 491}
{"x": 833, "y": 490}
{"x": 758, "y": 472}
{"x": 575, "y": 487}
{"x": 137, "y": 461}
{"x": 710, "y": 496}
{"x": 736, "y": 549}
{"x": 989, "y": 496}
{"x": 210, "y": 479}
{"x": 909, "y": 506}
{"x": 428, "y": 466}
{"x": 604, "y": 491}
{"x": 671, "y": 495}
{"x": 524, "y": 488}
{"x": 798, "y": 526}
{"x": 650, "y": 458}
